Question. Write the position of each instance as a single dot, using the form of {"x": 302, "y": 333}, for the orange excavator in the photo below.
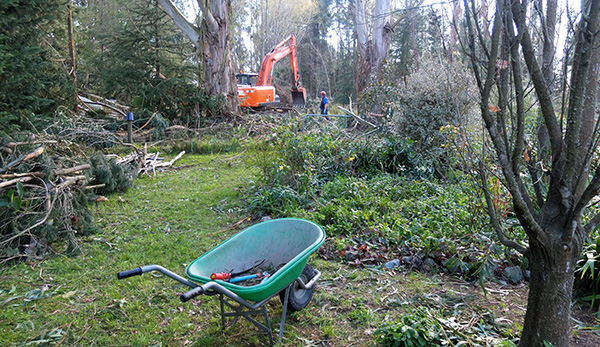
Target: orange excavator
{"x": 263, "y": 93}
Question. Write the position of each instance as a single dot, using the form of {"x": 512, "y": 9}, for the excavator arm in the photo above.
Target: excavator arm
{"x": 283, "y": 49}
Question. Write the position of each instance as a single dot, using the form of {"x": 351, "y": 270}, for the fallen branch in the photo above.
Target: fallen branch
{"x": 70, "y": 181}
{"x": 102, "y": 185}
{"x": 37, "y": 152}
{"x": 15, "y": 181}
{"x": 49, "y": 205}
{"x": 107, "y": 106}
{"x": 170, "y": 162}
{"x": 60, "y": 172}
{"x": 14, "y": 175}
{"x": 357, "y": 117}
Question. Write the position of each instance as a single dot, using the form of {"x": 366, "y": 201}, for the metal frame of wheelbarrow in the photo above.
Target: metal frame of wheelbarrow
{"x": 245, "y": 308}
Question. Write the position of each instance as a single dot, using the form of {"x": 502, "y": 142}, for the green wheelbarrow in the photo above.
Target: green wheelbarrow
{"x": 272, "y": 254}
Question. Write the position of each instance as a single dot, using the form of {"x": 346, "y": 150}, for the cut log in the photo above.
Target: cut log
{"x": 35, "y": 153}
{"x": 25, "y": 174}
{"x": 59, "y": 172}
{"x": 15, "y": 181}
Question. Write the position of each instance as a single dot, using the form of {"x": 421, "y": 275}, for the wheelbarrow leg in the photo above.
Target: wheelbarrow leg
{"x": 240, "y": 310}
{"x": 284, "y": 312}
{"x": 264, "y": 309}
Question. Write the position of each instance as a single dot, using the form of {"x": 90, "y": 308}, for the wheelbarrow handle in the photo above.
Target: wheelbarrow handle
{"x": 190, "y": 294}
{"x": 129, "y": 273}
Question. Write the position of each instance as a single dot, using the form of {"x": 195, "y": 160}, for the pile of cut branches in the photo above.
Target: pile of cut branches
{"x": 44, "y": 197}
{"x": 147, "y": 162}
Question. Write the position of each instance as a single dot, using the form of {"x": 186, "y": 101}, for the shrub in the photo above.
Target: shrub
{"x": 46, "y": 213}
{"x": 411, "y": 330}
{"x": 587, "y": 283}
{"x": 31, "y": 83}
{"x": 432, "y": 97}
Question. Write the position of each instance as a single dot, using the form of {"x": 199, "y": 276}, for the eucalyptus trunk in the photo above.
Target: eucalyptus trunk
{"x": 212, "y": 41}
{"x": 219, "y": 71}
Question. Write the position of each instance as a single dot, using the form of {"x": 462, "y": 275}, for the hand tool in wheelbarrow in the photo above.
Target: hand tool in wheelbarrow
{"x": 288, "y": 241}
{"x": 225, "y": 276}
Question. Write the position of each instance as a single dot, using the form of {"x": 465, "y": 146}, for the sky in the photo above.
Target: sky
{"x": 191, "y": 9}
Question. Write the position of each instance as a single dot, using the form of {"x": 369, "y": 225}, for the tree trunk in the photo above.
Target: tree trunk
{"x": 213, "y": 43}
{"x": 382, "y": 33}
{"x": 550, "y": 291}
{"x": 555, "y": 227}
{"x": 73, "y": 68}
{"x": 364, "y": 48}
{"x": 456, "y": 15}
{"x": 548, "y": 53}
{"x": 216, "y": 54}
{"x": 372, "y": 52}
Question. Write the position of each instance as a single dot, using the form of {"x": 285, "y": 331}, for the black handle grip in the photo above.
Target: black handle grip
{"x": 191, "y": 294}
{"x": 129, "y": 273}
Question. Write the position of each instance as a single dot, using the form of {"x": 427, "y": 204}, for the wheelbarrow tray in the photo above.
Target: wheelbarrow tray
{"x": 287, "y": 241}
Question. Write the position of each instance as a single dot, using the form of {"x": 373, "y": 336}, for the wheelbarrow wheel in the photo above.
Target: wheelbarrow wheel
{"x": 299, "y": 297}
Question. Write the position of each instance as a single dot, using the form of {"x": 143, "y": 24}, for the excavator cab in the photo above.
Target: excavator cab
{"x": 246, "y": 79}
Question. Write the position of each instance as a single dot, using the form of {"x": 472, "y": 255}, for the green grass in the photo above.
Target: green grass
{"x": 170, "y": 220}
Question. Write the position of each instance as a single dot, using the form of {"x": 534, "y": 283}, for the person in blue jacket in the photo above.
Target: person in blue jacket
{"x": 324, "y": 103}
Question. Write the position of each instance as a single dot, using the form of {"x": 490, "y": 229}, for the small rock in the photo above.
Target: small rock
{"x": 412, "y": 261}
{"x": 392, "y": 264}
{"x": 351, "y": 255}
{"x": 429, "y": 264}
{"x": 513, "y": 274}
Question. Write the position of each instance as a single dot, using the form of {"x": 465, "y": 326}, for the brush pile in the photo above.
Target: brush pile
{"x": 145, "y": 162}
{"x": 46, "y": 187}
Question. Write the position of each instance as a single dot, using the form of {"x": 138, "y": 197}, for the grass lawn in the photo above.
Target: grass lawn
{"x": 178, "y": 215}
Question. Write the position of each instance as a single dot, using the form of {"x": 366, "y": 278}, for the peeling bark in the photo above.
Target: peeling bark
{"x": 212, "y": 41}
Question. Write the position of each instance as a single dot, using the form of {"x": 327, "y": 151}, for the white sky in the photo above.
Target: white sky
{"x": 191, "y": 9}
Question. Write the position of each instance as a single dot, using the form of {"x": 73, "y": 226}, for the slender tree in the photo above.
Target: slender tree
{"x": 374, "y": 49}
{"x": 549, "y": 202}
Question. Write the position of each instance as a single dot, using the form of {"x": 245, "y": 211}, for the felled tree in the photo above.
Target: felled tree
{"x": 550, "y": 199}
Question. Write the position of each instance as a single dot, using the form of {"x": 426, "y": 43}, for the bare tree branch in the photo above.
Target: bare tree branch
{"x": 189, "y": 29}
{"x": 539, "y": 82}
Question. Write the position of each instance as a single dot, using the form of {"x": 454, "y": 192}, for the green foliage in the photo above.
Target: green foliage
{"x": 30, "y": 83}
{"x": 136, "y": 54}
{"x": 372, "y": 190}
{"x": 308, "y": 161}
{"x": 178, "y": 100}
{"x": 42, "y": 216}
{"x": 429, "y": 99}
{"x": 139, "y": 43}
{"x": 115, "y": 177}
{"x": 278, "y": 200}
{"x": 411, "y": 330}
{"x": 193, "y": 144}
{"x": 588, "y": 272}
